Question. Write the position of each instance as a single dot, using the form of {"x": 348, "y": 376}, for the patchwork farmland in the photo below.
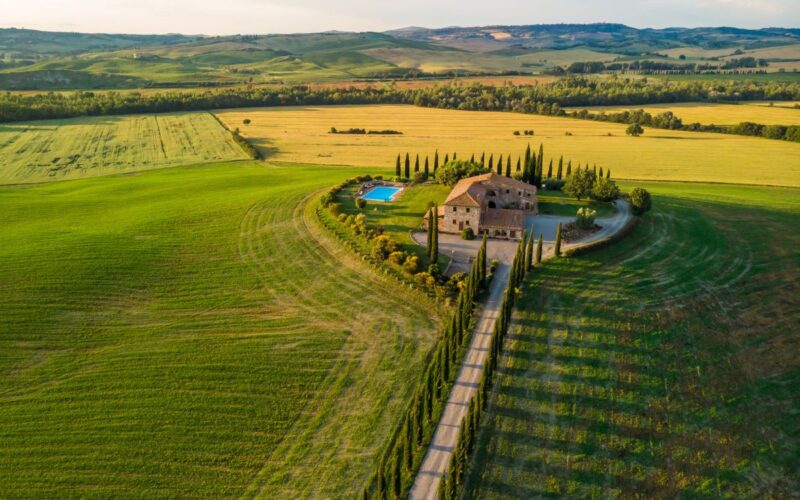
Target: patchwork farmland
{"x": 300, "y": 134}
{"x": 87, "y": 147}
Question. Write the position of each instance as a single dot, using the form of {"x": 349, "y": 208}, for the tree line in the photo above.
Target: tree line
{"x": 530, "y": 167}
{"x": 544, "y": 98}
{"x": 398, "y": 463}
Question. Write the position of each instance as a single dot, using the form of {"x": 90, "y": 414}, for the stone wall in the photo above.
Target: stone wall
{"x": 458, "y": 218}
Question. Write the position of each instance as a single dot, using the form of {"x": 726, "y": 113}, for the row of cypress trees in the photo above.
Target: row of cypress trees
{"x": 400, "y": 460}
{"x": 402, "y": 167}
{"x": 530, "y": 167}
{"x": 529, "y": 254}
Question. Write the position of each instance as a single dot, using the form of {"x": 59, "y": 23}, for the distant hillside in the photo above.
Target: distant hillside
{"x": 38, "y": 60}
{"x": 611, "y": 37}
{"x": 23, "y": 43}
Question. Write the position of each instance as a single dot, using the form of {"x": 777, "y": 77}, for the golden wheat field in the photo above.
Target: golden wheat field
{"x": 780, "y": 113}
{"x": 301, "y": 134}
{"x": 85, "y": 147}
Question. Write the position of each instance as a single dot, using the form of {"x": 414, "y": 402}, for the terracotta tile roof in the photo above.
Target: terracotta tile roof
{"x": 471, "y": 191}
{"x": 504, "y": 218}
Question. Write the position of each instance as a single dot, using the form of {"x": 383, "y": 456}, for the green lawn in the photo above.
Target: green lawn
{"x": 664, "y": 366}
{"x": 402, "y": 216}
{"x": 192, "y": 332}
{"x": 559, "y": 203}
{"x": 51, "y": 150}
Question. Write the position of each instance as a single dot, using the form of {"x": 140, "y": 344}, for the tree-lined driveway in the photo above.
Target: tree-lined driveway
{"x": 437, "y": 457}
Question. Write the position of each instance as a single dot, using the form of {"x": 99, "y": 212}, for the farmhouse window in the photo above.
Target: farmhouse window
{"x": 454, "y": 221}
{"x": 508, "y": 191}
{"x": 467, "y": 209}
{"x": 455, "y": 209}
{"x": 467, "y": 223}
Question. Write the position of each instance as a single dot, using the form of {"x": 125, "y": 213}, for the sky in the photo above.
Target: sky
{"x": 224, "y": 17}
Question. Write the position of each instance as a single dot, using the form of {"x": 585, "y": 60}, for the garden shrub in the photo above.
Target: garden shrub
{"x": 585, "y": 218}
{"x": 467, "y": 234}
{"x": 397, "y": 258}
{"x": 411, "y": 265}
{"x": 640, "y": 200}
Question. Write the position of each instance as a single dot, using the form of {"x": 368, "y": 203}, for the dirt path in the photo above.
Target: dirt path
{"x": 445, "y": 438}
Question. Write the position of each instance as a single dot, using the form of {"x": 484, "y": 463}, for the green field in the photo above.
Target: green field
{"x": 300, "y": 134}
{"x": 664, "y": 366}
{"x": 86, "y": 147}
{"x": 192, "y": 332}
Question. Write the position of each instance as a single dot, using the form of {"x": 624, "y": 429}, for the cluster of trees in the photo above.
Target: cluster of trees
{"x": 363, "y": 131}
{"x": 401, "y": 458}
{"x": 585, "y": 183}
{"x": 668, "y": 120}
{"x": 648, "y": 67}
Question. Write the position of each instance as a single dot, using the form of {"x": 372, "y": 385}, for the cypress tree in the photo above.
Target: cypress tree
{"x": 416, "y": 164}
{"x": 446, "y": 159}
{"x": 560, "y": 167}
{"x": 569, "y": 168}
{"x": 435, "y": 239}
{"x": 594, "y": 171}
{"x": 445, "y": 363}
{"x": 444, "y": 489}
{"x": 601, "y": 173}
{"x": 508, "y": 166}
{"x": 419, "y": 412}
{"x": 472, "y": 158}
{"x": 491, "y": 161}
{"x": 541, "y": 157}
{"x": 483, "y": 159}
{"x": 454, "y": 156}
{"x": 382, "y": 493}
{"x": 429, "y": 397}
{"x": 397, "y": 166}
{"x": 558, "y": 241}
{"x": 529, "y": 252}
{"x": 550, "y": 170}
{"x": 518, "y": 165}
{"x": 397, "y": 472}
{"x": 539, "y": 251}
{"x": 408, "y": 167}
{"x": 435, "y": 161}
{"x": 452, "y": 484}
{"x": 408, "y": 444}
{"x": 608, "y": 173}
{"x": 427, "y": 168}
{"x": 500, "y": 165}
{"x": 429, "y": 248}
{"x": 528, "y": 154}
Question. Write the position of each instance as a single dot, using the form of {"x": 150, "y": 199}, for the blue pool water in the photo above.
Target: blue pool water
{"x": 381, "y": 193}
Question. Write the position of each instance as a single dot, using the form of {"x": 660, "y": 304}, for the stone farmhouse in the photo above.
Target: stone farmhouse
{"x": 491, "y": 203}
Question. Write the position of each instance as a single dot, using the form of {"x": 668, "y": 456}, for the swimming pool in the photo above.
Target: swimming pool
{"x": 381, "y": 193}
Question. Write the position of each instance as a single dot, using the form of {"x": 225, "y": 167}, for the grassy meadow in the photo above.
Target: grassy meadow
{"x": 85, "y": 147}
{"x": 719, "y": 114}
{"x": 300, "y": 134}
{"x": 664, "y": 366}
{"x": 193, "y": 332}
